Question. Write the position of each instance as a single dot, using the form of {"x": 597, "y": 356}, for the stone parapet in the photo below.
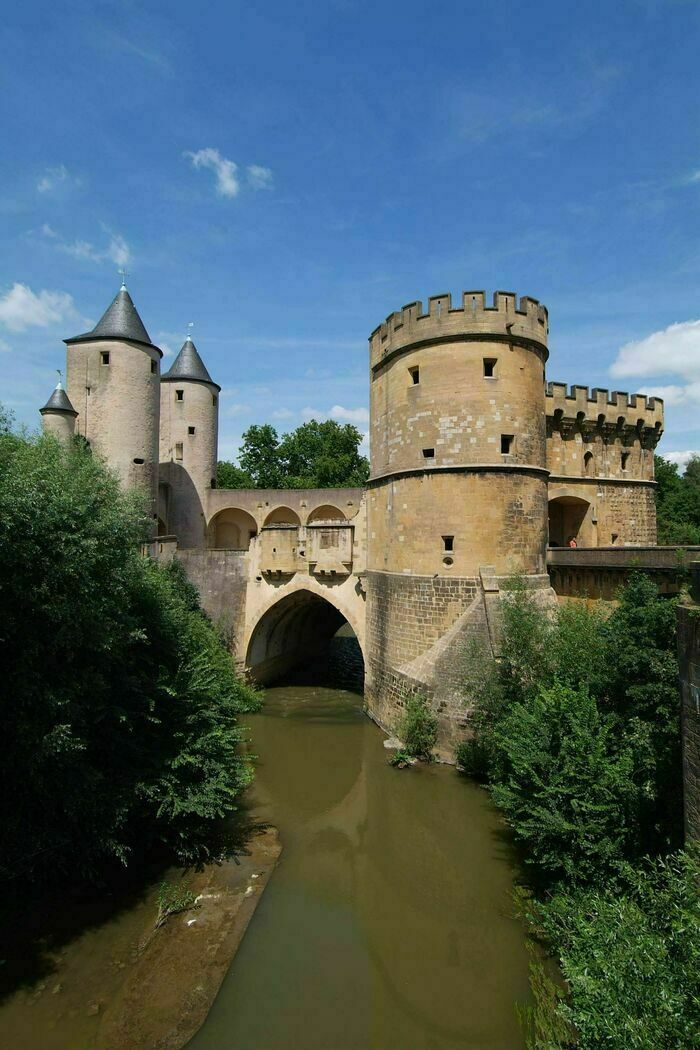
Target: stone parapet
{"x": 524, "y": 321}
{"x": 597, "y": 409}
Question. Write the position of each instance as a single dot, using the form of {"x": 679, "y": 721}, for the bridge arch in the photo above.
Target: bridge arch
{"x": 294, "y": 630}
{"x": 326, "y": 513}
{"x": 232, "y": 529}
{"x": 282, "y": 516}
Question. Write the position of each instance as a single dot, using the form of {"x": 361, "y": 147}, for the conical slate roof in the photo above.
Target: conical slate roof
{"x": 189, "y": 365}
{"x": 120, "y": 321}
{"x": 58, "y": 402}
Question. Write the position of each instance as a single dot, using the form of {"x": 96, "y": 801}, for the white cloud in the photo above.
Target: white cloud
{"x": 675, "y": 349}
{"x": 227, "y": 184}
{"x": 237, "y": 409}
{"x": 344, "y": 415}
{"x": 692, "y": 177}
{"x": 22, "y": 308}
{"x": 259, "y": 178}
{"x": 5, "y": 348}
{"x": 53, "y": 177}
{"x": 116, "y": 250}
{"x": 283, "y": 413}
{"x": 680, "y": 458}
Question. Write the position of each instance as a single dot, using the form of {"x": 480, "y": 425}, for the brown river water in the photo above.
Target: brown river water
{"x": 388, "y": 920}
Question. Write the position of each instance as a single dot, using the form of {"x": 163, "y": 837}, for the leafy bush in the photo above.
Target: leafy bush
{"x": 630, "y": 955}
{"x": 567, "y": 783}
{"x": 418, "y": 728}
{"x": 120, "y": 705}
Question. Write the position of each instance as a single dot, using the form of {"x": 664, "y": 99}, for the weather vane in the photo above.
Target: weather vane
{"x": 190, "y": 326}
{"x": 60, "y": 375}
{"x": 123, "y": 273}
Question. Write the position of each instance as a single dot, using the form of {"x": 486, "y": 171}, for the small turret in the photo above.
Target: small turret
{"x": 58, "y": 415}
{"x": 113, "y": 380}
{"x": 189, "y": 425}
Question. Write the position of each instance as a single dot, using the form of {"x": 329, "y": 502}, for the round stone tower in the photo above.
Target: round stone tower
{"x": 189, "y": 427}
{"x": 58, "y": 415}
{"x": 457, "y": 496}
{"x": 113, "y": 382}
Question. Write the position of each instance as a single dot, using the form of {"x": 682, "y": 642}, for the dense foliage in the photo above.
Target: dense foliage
{"x": 120, "y": 704}
{"x": 577, "y": 730}
{"x": 418, "y": 728}
{"x": 677, "y": 502}
{"x": 315, "y": 455}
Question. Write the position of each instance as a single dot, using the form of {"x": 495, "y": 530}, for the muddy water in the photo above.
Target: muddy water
{"x": 387, "y": 922}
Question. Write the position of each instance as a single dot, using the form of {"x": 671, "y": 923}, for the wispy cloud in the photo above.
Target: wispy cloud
{"x": 259, "y": 178}
{"x": 237, "y": 409}
{"x": 54, "y": 177}
{"x": 21, "y": 308}
{"x": 338, "y": 412}
{"x": 227, "y": 184}
{"x": 116, "y": 250}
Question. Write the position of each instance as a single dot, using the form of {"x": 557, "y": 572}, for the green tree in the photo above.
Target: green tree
{"x": 677, "y": 502}
{"x": 120, "y": 703}
{"x": 259, "y": 456}
{"x": 229, "y": 476}
{"x": 322, "y": 455}
{"x": 630, "y": 954}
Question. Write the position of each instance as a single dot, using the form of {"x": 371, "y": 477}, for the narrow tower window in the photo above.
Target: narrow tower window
{"x": 154, "y": 368}
{"x": 190, "y": 430}
{"x": 429, "y": 453}
{"x": 449, "y": 543}
{"x": 490, "y": 367}
{"x": 588, "y": 463}
{"x": 624, "y": 456}
{"x": 213, "y": 400}
{"x": 507, "y": 444}
{"x": 105, "y": 357}
{"x": 178, "y": 450}
{"x": 139, "y": 461}
{"x": 415, "y": 375}
{"x": 179, "y": 395}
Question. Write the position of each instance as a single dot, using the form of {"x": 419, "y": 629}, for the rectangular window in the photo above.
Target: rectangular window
{"x": 105, "y": 357}
{"x": 449, "y": 543}
{"x": 429, "y": 453}
{"x": 190, "y": 430}
{"x": 154, "y": 368}
{"x": 507, "y": 444}
{"x": 490, "y": 367}
{"x": 213, "y": 400}
{"x": 179, "y": 395}
{"x": 415, "y": 375}
{"x": 178, "y": 450}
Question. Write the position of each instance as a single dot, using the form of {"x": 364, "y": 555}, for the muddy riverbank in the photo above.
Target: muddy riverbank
{"x": 116, "y": 984}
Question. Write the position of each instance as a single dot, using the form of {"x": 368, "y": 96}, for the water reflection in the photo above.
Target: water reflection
{"x": 387, "y": 922}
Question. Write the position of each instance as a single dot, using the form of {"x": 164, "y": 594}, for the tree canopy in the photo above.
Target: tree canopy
{"x": 315, "y": 455}
{"x": 120, "y": 702}
{"x": 677, "y": 501}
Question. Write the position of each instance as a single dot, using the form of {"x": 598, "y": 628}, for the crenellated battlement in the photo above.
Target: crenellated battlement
{"x": 507, "y": 318}
{"x": 586, "y": 408}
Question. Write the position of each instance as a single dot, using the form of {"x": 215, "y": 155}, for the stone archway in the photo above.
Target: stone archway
{"x": 232, "y": 529}
{"x": 294, "y": 632}
{"x": 569, "y": 517}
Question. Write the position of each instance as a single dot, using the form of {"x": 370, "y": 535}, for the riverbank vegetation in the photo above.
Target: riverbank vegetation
{"x": 315, "y": 455}
{"x": 121, "y": 708}
{"x": 577, "y": 730}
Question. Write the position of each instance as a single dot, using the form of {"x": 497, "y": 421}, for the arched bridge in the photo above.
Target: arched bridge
{"x": 282, "y": 572}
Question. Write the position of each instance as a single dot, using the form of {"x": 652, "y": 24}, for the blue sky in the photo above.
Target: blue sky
{"x": 286, "y": 177}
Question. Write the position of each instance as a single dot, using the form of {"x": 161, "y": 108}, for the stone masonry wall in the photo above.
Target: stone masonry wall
{"x": 221, "y": 577}
{"x": 689, "y": 658}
